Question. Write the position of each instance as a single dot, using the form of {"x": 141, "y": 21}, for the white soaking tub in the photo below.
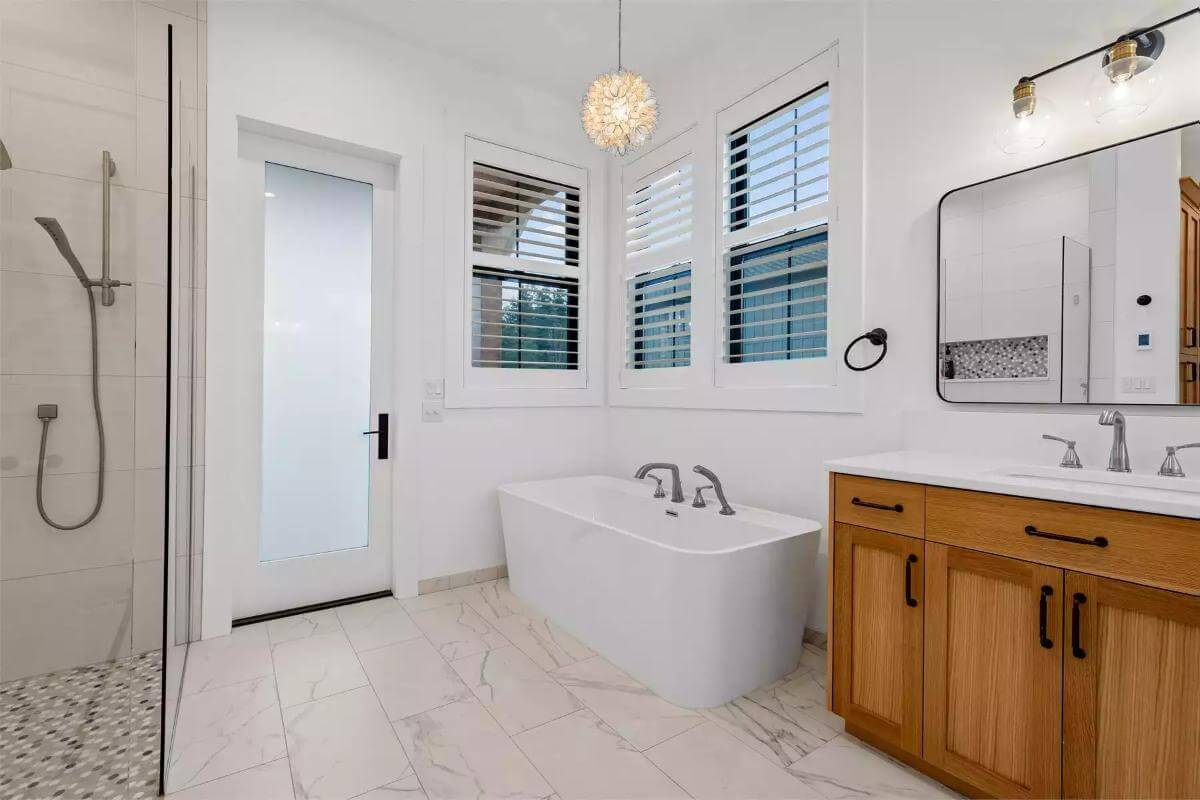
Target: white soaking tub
{"x": 699, "y": 607}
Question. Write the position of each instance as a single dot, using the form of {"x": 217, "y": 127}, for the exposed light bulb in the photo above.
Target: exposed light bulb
{"x": 1126, "y": 86}
{"x": 1028, "y": 123}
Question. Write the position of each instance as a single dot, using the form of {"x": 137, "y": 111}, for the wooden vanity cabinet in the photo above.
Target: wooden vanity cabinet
{"x": 1053, "y": 649}
{"x": 878, "y": 597}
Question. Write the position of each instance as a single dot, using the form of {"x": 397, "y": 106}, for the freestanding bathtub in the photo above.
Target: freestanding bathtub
{"x": 700, "y": 607}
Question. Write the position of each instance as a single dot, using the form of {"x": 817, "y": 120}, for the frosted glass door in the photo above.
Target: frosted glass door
{"x": 316, "y": 364}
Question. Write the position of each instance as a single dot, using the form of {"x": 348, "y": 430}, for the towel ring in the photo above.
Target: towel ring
{"x": 877, "y": 337}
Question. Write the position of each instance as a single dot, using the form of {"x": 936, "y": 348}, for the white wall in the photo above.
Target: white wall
{"x": 297, "y": 67}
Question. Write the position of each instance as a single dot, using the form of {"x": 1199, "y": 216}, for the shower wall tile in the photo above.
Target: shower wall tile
{"x": 152, "y": 121}
{"x": 90, "y": 42}
{"x": 202, "y": 67}
{"x": 150, "y": 426}
{"x": 59, "y": 125}
{"x": 71, "y": 445}
{"x": 152, "y": 22}
{"x": 151, "y": 330}
{"x": 76, "y": 204}
{"x": 147, "y": 606}
{"x": 152, "y": 238}
{"x": 195, "y": 143}
{"x": 31, "y": 547}
{"x": 149, "y": 508}
{"x": 47, "y": 331}
{"x": 185, "y": 7}
{"x": 55, "y": 622}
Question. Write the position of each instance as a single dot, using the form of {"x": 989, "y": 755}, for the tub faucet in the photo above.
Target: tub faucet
{"x": 676, "y": 484}
{"x": 1118, "y": 457}
{"x": 726, "y": 509}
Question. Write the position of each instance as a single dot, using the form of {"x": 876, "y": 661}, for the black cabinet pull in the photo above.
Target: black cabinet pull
{"x": 1043, "y": 613}
{"x": 909, "y": 600}
{"x": 1078, "y": 599}
{"x": 899, "y": 509}
{"x": 1098, "y": 541}
{"x": 382, "y": 433}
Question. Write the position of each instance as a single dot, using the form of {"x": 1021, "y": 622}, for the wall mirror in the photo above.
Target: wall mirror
{"x": 1077, "y": 281}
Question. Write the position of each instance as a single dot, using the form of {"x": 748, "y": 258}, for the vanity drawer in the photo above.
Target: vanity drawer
{"x": 883, "y": 505}
{"x": 1142, "y": 548}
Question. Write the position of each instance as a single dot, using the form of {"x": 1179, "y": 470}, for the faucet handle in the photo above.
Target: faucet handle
{"x": 658, "y": 490}
{"x": 1171, "y": 468}
{"x": 1070, "y": 459}
{"x": 699, "y": 501}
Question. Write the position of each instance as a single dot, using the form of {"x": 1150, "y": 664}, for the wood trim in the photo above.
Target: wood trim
{"x": 908, "y": 500}
{"x": 1190, "y": 191}
{"x": 831, "y": 565}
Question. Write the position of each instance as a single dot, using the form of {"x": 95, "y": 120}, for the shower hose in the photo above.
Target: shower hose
{"x": 99, "y": 435}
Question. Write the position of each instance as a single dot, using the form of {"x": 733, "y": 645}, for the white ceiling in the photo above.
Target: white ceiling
{"x": 554, "y": 45}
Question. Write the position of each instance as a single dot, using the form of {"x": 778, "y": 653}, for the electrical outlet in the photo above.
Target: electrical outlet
{"x": 1139, "y": 384}
{"x": 431, "y": 411}
{"x": 435, "y": 388}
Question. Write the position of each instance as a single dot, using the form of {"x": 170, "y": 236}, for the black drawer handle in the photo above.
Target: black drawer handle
{"x": 1098, "y": 541}
{"x": 1078, "y": 599}
{"x": 1043, "y": 613}
{"x": 909, "y": 600}
{"x": 899, "y": 509}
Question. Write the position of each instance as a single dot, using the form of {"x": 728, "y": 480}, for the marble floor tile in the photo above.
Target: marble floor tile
{"x": 241, "y": 656}
{"x": 807, "y": 695}
{"x": 457, "y": 631}
{"x": 225, "y": 730}
{"x": 768, "y": 721}
{"x": 342, "y": 746}
{"x": 639, "y": 715}
{"x": 410, "y": 677}
{"x": 271, "y": 781}
{"x": 315, "y": 667}
{"x": 459, "y": 751}
{"x": 517, "y": 692}
{"x": 493, "y": 599}
{"x": 585, "y": 759}
{"x": 543, "y": 641}
{"x": 424, "y": 602}
{"x": 711, "y": 764}
{"x": 814, "y": 658}
{"x": 377, "y": 623}
{"x": 301, "y": 626}
{"x": 407, "y": 788}
{"x": 847, "y": 768}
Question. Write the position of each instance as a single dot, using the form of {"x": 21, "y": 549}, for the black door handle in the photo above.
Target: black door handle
{"x": 909, "y": 600}
{"x": 1078, "y": 599}
{"x": 1097, "y": 541}
{"x": 1043, "y": 613}
{"x": 382, "y": 433}
{"x": 899, "y": 509}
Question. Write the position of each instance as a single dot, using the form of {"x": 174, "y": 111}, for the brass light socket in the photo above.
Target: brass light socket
{"x": 1024, "y": 98}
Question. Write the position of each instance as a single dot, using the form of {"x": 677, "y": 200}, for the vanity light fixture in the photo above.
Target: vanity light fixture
{"x": 619, "y": 111}
{"x": 1125, "y": 87}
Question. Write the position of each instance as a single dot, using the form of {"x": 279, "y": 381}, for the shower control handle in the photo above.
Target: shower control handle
{"x": 382, "y": 432}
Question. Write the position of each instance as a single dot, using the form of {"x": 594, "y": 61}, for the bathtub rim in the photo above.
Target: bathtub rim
{"x": 771, "y": 520}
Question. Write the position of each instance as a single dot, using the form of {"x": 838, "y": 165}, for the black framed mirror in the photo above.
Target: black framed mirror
{"x": 1075, "y": 282}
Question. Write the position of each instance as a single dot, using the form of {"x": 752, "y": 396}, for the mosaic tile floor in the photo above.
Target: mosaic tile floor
{"x": 90, "y": 733}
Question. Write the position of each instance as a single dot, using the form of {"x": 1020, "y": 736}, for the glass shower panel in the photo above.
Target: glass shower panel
{"x": 316, "y": 364}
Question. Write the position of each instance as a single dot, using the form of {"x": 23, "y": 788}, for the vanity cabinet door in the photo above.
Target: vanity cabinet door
{"x": 878, "y": 606}
{"x": 1132, "y": 678}
{"x": 993, "y": 671}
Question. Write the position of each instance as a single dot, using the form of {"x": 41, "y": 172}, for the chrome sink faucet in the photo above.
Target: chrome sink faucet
{"x": 1118, "y": 457}
{"x": 1070, "y": 459}
{"x": 676, "y": 484}
{"x": 726, "y": 509}
{"x": 1171, "y": 468}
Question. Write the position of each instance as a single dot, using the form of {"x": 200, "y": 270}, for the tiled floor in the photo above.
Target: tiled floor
{"x": 89, "y": 732}
{"x": 469, "y": 694}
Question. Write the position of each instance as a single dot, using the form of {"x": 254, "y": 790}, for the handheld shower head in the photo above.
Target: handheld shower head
{"x": 50, "y": 224}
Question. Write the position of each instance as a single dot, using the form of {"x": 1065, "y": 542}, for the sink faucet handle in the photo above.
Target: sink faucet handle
{"x": 1171, "y": 468}
{"x": 658, "y": 490}
{"x": 699, "y": 501}
{"x": 1070, "y": 459}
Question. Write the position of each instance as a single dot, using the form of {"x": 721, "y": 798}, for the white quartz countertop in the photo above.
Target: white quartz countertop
{"x": 984, "y": 474}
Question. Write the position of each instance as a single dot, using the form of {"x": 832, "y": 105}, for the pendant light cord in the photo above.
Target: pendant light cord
{"x": 619, "y": 11}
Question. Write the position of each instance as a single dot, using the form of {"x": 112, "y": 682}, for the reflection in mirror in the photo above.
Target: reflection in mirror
{"x": 1076, "y": 282}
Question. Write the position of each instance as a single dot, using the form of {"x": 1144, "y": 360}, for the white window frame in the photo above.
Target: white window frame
{"x": 648, "y": 168}
{"x": 468, "y": 386}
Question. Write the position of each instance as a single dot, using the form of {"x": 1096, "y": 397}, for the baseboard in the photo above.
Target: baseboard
{"x": 444, "y": 582}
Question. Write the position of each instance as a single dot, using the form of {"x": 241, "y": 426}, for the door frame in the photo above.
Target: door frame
{"x": 288, "y": 583}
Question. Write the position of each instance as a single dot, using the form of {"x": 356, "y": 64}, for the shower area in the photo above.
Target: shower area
{"x": 102, "y": 210}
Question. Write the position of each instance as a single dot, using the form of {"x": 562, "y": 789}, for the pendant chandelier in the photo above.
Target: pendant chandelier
{"x": 619, "y": 110}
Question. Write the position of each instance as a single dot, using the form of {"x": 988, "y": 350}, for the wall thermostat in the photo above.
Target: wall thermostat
{"x": 1144, "y": 341}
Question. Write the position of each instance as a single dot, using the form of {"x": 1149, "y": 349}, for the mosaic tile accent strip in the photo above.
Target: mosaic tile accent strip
{"x": 89, "y": 732}
{"x": 1022, "y": 357}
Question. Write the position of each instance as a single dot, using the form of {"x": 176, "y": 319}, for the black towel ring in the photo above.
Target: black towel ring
{"x": 877, "y": 337}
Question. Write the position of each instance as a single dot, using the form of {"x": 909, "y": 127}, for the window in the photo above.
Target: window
{"x": 657, "y": 226}
{"x": 525, "y": 242}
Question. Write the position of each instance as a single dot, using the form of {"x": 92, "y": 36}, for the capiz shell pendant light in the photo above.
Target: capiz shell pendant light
{"x": 619, "y": 110}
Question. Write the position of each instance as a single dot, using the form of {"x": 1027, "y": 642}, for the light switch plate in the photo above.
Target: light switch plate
{"x": 431, "y": 411}
{"x": 435, "y": 388}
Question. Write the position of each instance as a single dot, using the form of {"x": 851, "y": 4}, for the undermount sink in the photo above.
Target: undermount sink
{"x": 1103, "y": 477}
